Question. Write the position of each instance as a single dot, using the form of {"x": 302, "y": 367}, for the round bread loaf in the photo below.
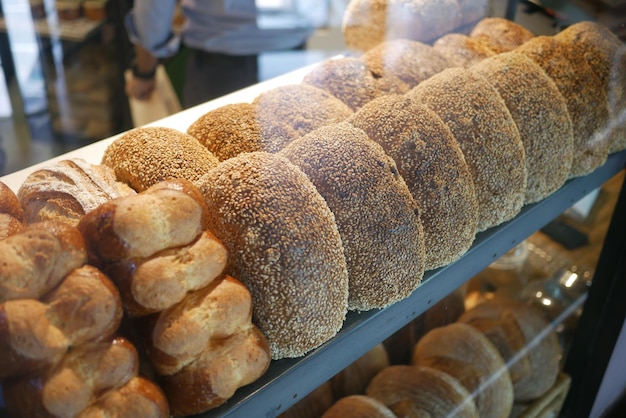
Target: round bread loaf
{"x": 585, "y": 97}
{"x": 376, "y": 216}
{"x": 606, "y": 55}
{"x": 464, "y": 353}
{"x": 540, "y": 113}
{"x": 461, "y": 50}
{"x": 235, "y": 128}
{"x": 366, "y": 23}
{"x": 500, "y": 34}
{"x": 525, "y": 340}
{"x": 284, "y": 245}
{"x": 415, "y": 391}
{"x": 66, "y": 190}
{"x": 348, "y": 79}
{"x": 488, "y": 137}
{"x": 410, "y": 61}
{"x": 145, "y": 156}
{"x": 300, "y": 106}
{"x": 358, "y": 406}
{"x": 434, "y": 169}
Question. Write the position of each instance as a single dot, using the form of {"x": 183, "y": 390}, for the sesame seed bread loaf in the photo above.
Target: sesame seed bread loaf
{"x": 525, "y": 340}
{"x": 377, "y": 218}
{"x": 462, "y": 50}
{"x": 541, "y": 116}
{"x": 500, "y": 34}
{"x": 349, "y": 79}
{"x": 585, "y": 97}
{"x": 416, "y": 391}
{"x": 432, "y": 165}
{"x": 68, "y": 189}
{"x": 283, "y": 245}
{"x": 464, "y": 353}
{"x": 234, "y": 128}
{"x": 145, "y": 156}
{"x": 303, "y": 107}
{"x": 358, "y": 406}
{"x": 487, "y": 135}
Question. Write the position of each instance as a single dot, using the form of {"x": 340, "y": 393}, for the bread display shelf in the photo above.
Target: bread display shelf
{"x": 289, "y": 380}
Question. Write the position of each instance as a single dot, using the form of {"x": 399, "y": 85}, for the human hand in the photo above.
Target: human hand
{"x": 140, "y": 88}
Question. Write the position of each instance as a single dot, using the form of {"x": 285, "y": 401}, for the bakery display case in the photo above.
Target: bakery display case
{"x": 527, "y": 233}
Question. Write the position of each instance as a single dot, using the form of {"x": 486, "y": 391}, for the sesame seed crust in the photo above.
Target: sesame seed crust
{"x": 500, "y": 34}
{"x": 540, "y": 113}
{"x": 488, "y": 137}
{"x": 434, "y": 169}
{"x": 585, "y": 97}
{"x": 461, "y": 50}
{"x": 410, "y": 61}
{"x": 283, "y": 243}
{"x": 348, "y": 79}
{"x": 145, "y": 156}
{"x": 376, "y": 216}
{"x": 302, "y": 107}
{"x": 236, "y": 128}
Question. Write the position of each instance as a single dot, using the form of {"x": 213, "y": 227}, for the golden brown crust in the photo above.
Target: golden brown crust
{"x": 37, "y": 258}
{"x": 9, "y": 225}
{"x": 284, "y": 245}
{"x": 416, "y": 391}
{"x": 466, "y": 354}
{"x": 358, "y": 406}
{"x": 434, "y": 169}
{"x": 367, "y": 23}
{"x": 302, "y": 107}
{"x": 348, "y": 79}
{"x": 500, "y": 34}
{"x": 585, "y": 97}
{"x": 68, "y": 189}
{"x": 9, "y": 203}
{"x": 487, "y": 135}
{"x": 410, "y": 61}
{"x": 225, "y": 366}
{"x": 169, "y": 214}
{"x": 376, "y": 216}
{"x": 462, "y": 50}
{"x": 145, "y": 156}
{"x": 540, "y": 113}
{"x": 235, "y": 128}
{"x": 525, "y": 340}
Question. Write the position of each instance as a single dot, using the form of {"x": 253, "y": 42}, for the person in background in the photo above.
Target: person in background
{"x": 224, "y": 38}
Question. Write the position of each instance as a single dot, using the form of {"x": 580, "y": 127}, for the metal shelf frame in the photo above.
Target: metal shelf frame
{"x": 289, "y": 380}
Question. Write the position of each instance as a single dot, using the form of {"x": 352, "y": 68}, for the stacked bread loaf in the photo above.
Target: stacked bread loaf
{"x": 197, "y": 326}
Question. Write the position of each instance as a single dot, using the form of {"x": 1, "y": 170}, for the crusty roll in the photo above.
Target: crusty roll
{"x": 410, "y": 61}
{"x": 145, "y": 156}
{"x": 487, "y": 135}
{"x": 464, "y": 353}
{"x": 303, "y": 107}
{"x": 540, "y": 113}
{"x": 169, "y": 214}
{"x": 68, "y": 189}
{"x": 415, "y": 391}
{"x": 585, "y": 97}
{"x": 283, "y": 244}
{"x": 9, "y": 225}
{"x": 349, "y": 79}
{"x": 358, "y": 406}
{"x": 234, "y": 128}
{"x": 9, "y": 203}
{"x": 525, "y": 340}
{"x": 354, "y": 379}
{"x": 377, "y": 218}
{"x": 224, "y": 367}
{"x": 179, "y": 335}
{"x": 37, "y": 258}
{"x": 139, "y": 397}
{"x": 432, "y": 165}
{"x": 500, "y": 34}
{"x": 69, "y": 387}
{"x": 462, "y": 50}
{"x": 158, "y": 282}
{"x": 367, "y": 23}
